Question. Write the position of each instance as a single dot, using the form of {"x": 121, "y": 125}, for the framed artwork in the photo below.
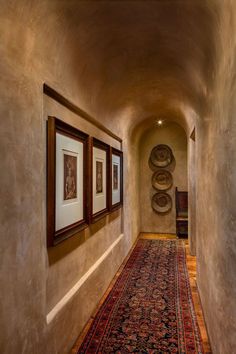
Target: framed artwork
{"x": 67, "y": 211}
{"x": 99, "y": 167}
{"x": 116, "y": 178}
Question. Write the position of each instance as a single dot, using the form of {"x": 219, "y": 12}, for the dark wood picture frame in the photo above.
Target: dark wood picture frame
{"x": 118, "y": 205}
{"x": 93, "y": 142}
{"x": 55, "y": 125}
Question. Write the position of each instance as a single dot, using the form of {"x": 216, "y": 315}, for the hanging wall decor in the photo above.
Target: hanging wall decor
{"x": 116, "y": 178}
{"x": 161, "y": 159}
{"x": 161, "y": 203}
{"x": 161, "y": 156}
{"x": 100, "y": 179}
{"x": 66, "y": 181}
{"x": 162, "y": 180}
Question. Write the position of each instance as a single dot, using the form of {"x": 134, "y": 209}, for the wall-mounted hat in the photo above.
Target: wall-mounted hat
{"x": 161, "y": 155}
{"x": 161, "y": 203}
{"x": 162, "y": 180}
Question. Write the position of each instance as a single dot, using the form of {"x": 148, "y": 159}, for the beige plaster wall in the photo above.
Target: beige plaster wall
{"x": 216, "y": 195}
{"x": 33, "y": 279}
{"x": 174, "y": 136}
{"x": 192, "y": 195}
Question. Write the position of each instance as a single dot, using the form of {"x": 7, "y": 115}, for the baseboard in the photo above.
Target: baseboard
{"x": 204, "y": 317}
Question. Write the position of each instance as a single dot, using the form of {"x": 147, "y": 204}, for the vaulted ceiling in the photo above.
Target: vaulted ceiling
{"x": 144, "y": 59}
{"x": 133, "y": 60}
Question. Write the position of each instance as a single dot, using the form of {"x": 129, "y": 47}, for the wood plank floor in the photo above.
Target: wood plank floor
{"x": 191, "y": 265}
{"x": 192, "y": 271}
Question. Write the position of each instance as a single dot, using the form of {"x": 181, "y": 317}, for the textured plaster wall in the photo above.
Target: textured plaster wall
{"x": 174, "y": 136}
{"x": 216, "y": 195}
{"x": 131, "y": 193}
{"x": 192, "y": 195}
{"x": 33, "y": 279}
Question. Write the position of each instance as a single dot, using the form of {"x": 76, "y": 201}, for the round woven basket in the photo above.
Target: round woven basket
{"x": 162, "y": 180}
{"x": 161, "y": 203}
{"x": 161, "y": 156}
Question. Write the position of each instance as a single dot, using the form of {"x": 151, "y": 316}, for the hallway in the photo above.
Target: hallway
{"x": 110, "y": 111}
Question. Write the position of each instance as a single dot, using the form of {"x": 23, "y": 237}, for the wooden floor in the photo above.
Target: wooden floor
{"x": 191, "y": 265}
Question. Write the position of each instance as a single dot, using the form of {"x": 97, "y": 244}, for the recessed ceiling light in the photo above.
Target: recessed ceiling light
{"x": 159, "y": 122}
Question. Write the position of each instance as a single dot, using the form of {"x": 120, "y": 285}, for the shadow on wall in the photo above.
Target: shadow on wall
{"x": 61, "y": 250}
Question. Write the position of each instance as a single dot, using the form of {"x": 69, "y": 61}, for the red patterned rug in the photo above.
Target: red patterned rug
{"x": 150, "y": 308}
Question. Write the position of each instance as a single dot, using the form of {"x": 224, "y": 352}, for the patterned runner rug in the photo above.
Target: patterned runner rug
{"x": 150, "y": 307}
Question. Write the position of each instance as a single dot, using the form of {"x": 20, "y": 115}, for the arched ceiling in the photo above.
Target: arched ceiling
{"x": 133, "y": 60}
{"x": 139, "y": 59}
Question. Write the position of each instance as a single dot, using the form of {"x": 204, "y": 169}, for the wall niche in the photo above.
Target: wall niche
{"x": 159, "y": 182}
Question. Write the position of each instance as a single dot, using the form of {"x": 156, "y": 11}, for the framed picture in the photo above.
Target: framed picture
{"x": 67, "y": 212}
{"x": 99, "y": 166}
{"x": 116, "y": 178}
